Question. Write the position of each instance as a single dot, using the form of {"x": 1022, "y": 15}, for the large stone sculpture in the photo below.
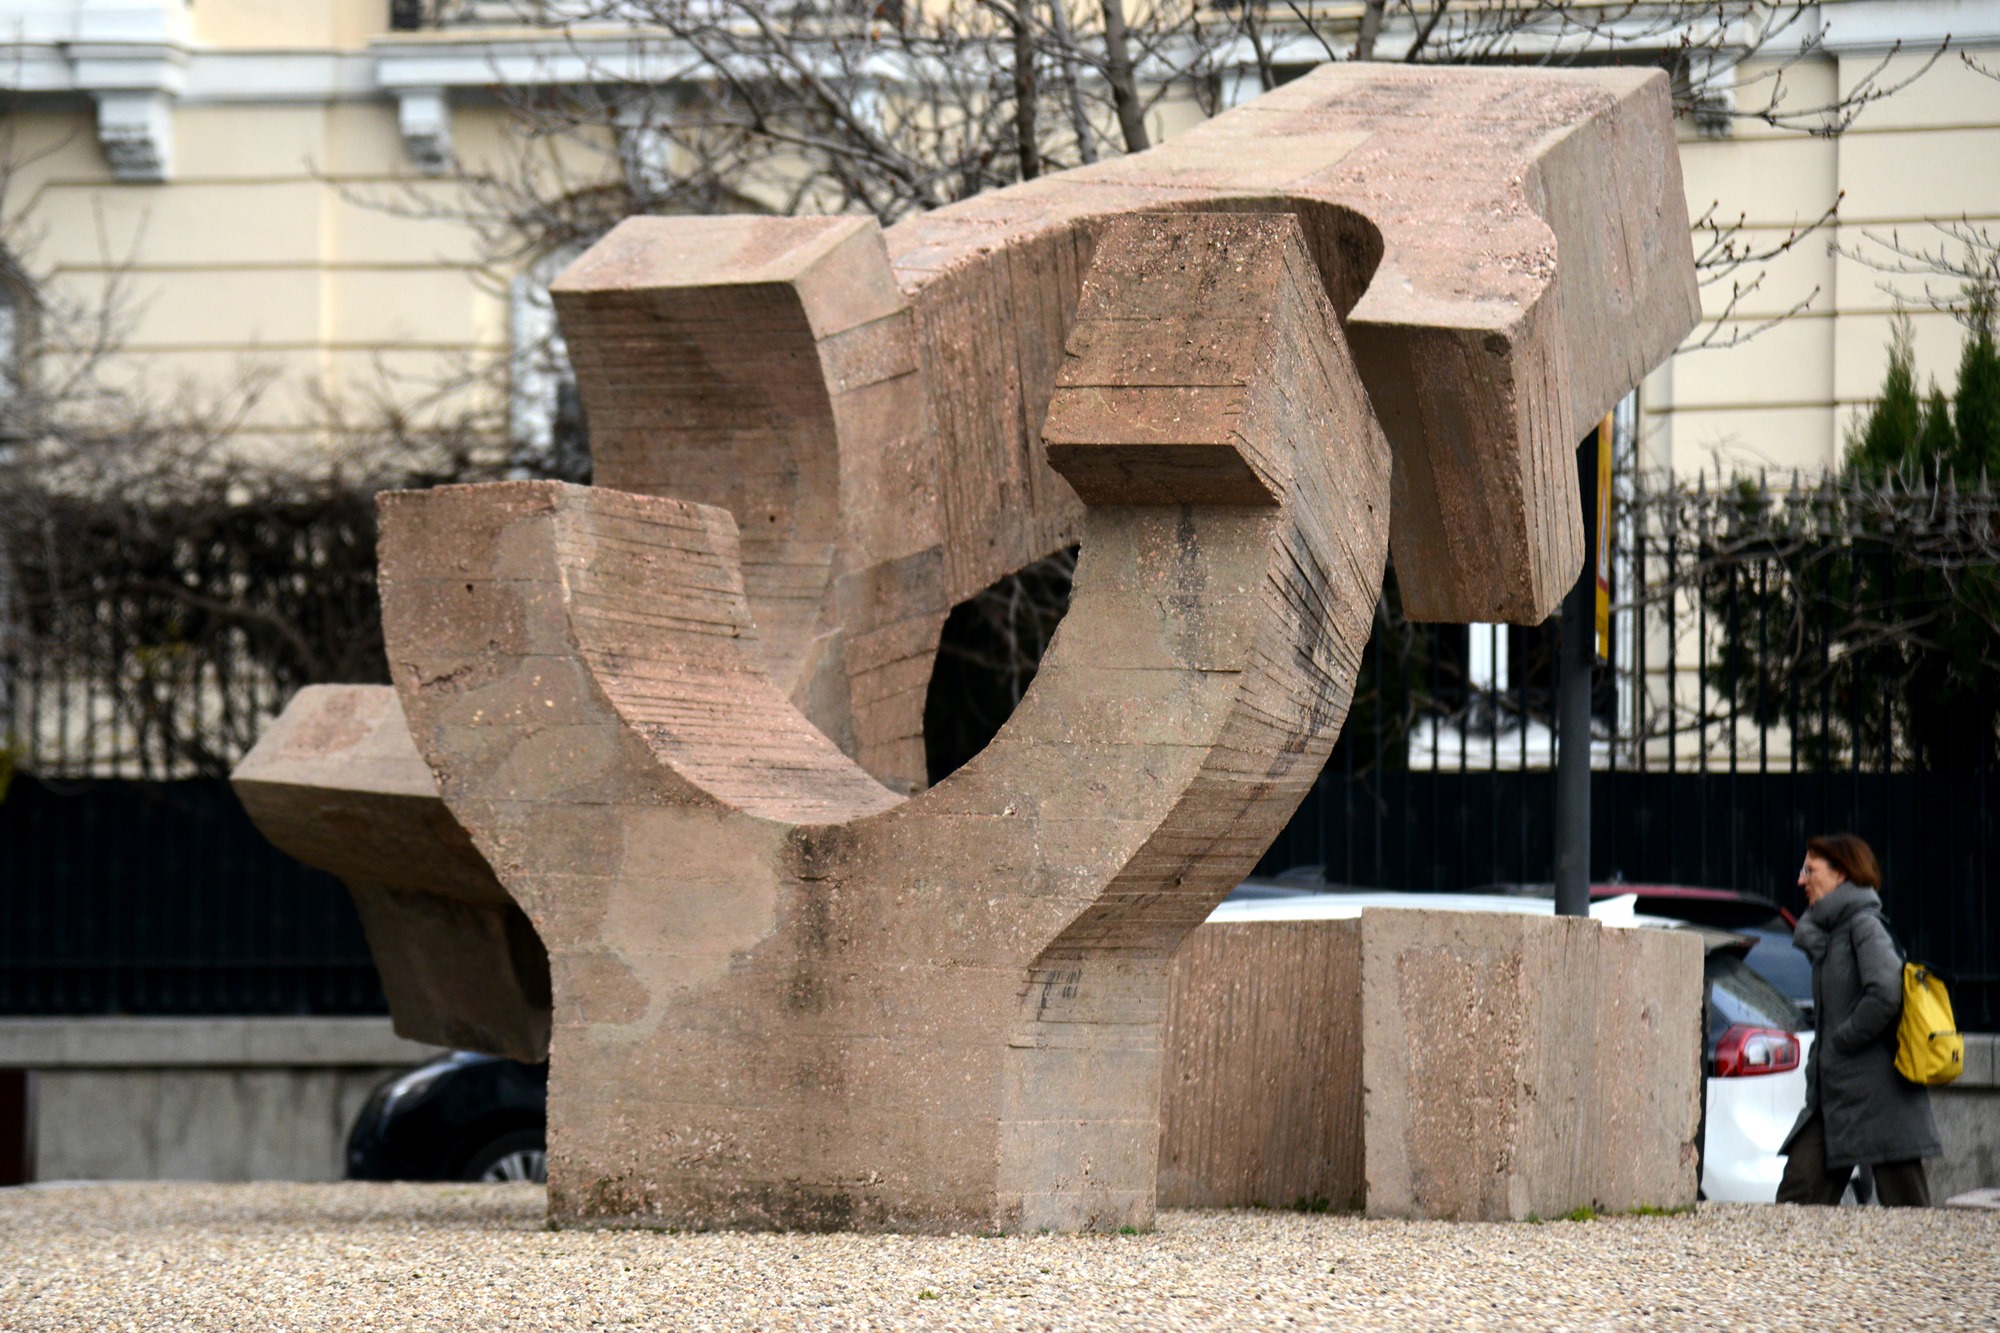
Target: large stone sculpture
{"x": 679, "y": 714}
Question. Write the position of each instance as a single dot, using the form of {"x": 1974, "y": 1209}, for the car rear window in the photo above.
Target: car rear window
{"x": 1782, "y": 963}
{"x": 1738, "y": 995}
{"x": 1723, "y": 913}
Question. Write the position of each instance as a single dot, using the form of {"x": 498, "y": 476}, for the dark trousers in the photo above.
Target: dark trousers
{"x": 1809, "y": 1180}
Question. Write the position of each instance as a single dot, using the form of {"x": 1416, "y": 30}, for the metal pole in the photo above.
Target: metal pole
{"x": 1579, "y": 655}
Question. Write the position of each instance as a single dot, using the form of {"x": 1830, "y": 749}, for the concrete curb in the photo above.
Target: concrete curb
{"x": 194, "y": 1043}
{"x": 1982, "y": 1061}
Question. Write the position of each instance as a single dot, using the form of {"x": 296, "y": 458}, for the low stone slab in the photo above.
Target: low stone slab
{"x": 1463, "y": 1065}
{"x": 192, "y": 1043}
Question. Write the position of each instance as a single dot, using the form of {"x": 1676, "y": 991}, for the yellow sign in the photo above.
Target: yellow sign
{"x": 1602, "y": 556}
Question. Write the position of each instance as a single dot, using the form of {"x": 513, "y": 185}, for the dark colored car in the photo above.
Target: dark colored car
{"x": 1766, "y": 925}
{"x": 463, "y": 1116}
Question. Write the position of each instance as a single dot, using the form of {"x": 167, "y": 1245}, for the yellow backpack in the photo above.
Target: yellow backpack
{"x": 1928, "y": 1047}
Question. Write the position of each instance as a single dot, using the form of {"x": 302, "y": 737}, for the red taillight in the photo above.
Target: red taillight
{"x": 1744, "y": 1051}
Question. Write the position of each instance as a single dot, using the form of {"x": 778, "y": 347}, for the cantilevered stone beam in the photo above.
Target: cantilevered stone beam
{"x": 336, "y": 782}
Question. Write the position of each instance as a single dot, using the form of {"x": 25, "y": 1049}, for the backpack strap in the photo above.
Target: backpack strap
{"x": 1894, "y": 942}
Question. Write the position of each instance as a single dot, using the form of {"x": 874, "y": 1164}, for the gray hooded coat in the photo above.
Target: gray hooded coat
{"x": 1873, "y": 1114}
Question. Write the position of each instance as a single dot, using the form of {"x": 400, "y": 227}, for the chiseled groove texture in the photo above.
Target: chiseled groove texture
{"x": 1260, "y": 1098}
{"x": 1301, "y": 421}
{"x": 1478, "y": 1066}
{"x": 1303, "y": 579}
{"x": 1484, "y": 373}
{"x": 752, "y": 429}
{"x": 891, "y": 1015}
{"x": 1432, "y": 202}
{"x": 658, "y": 616}
{"x": 1279, "y": 603}
{"x": 644, "y": 633}
{"x": 990, "y": 337}
{"x": 766, "y": 366}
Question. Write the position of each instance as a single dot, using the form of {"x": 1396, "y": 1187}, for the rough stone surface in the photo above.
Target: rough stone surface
{"x": 337, "y": 783}
{"x": 1522, "y": 1065}
{"x": 786, "y": 996}
{"x": 1436, "y": 204}
{"x": 1261, "y": 1096}
{"x": 477, "y": 1257}
{"x": 768, "y": 366}
{"x": 679, "y": 714}
{"x": 1471, "y": 1066}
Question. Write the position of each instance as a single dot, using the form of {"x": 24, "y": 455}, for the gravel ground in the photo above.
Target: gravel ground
{"x": 272, "y": 1257}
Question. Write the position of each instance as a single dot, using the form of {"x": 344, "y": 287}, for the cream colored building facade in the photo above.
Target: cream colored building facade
{"x": 210, "y": 158}
{"x": 1929, "y": 152}
{"x": 228, "y": 162}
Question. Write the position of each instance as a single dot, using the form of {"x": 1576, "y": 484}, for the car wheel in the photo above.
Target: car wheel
{"x": 518, "y": 1156}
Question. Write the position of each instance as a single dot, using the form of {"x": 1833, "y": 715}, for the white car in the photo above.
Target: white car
{"x": 1755, "y": 1044}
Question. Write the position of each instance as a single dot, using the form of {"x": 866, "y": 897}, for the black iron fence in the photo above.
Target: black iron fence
{"x": 147, "y": 635}
{"x": 1778, "y": 665}
{"x": 162, "y": 898}
{"x": 154, "y": 640}
{"x": 1780, "y": 662}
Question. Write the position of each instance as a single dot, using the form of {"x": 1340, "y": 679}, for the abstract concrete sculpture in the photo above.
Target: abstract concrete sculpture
{"x": 679, "y": 713}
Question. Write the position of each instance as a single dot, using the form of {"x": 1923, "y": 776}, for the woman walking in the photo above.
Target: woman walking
{"x": 1859, "y": 1110}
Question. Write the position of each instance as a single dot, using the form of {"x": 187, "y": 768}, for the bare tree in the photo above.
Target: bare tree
{"x": 830, "y": 106}
{"x": 1958, "y": 261}
{"x": 166, "y": 578}
{"x": 700, "y": 106}
{"x": 884, "y": 108}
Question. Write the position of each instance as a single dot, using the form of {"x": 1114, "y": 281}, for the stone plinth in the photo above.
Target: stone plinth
{"x": 1260, "y": 1087}
{"x": 1472, "y": 1066}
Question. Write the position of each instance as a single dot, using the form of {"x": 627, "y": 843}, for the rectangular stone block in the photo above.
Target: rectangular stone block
{"x": 1464, "y": 1065}
{"x": 1505, "y": 1069}
{"x": 1261, "y": 1087}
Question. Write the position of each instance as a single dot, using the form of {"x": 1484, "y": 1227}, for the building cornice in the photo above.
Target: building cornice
{"x": 136, "y": 60}
{"x": 134, "y": 84}
{"x": 1877, "y": 27}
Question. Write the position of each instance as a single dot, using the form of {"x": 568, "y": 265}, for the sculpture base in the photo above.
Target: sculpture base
{"x": 1462, "y": 1065}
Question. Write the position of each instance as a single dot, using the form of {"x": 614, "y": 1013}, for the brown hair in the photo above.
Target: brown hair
{"x": 1849, "y": 855}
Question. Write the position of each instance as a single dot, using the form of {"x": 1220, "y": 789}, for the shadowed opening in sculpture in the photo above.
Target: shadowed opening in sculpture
{"x": 987, "y": 655}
